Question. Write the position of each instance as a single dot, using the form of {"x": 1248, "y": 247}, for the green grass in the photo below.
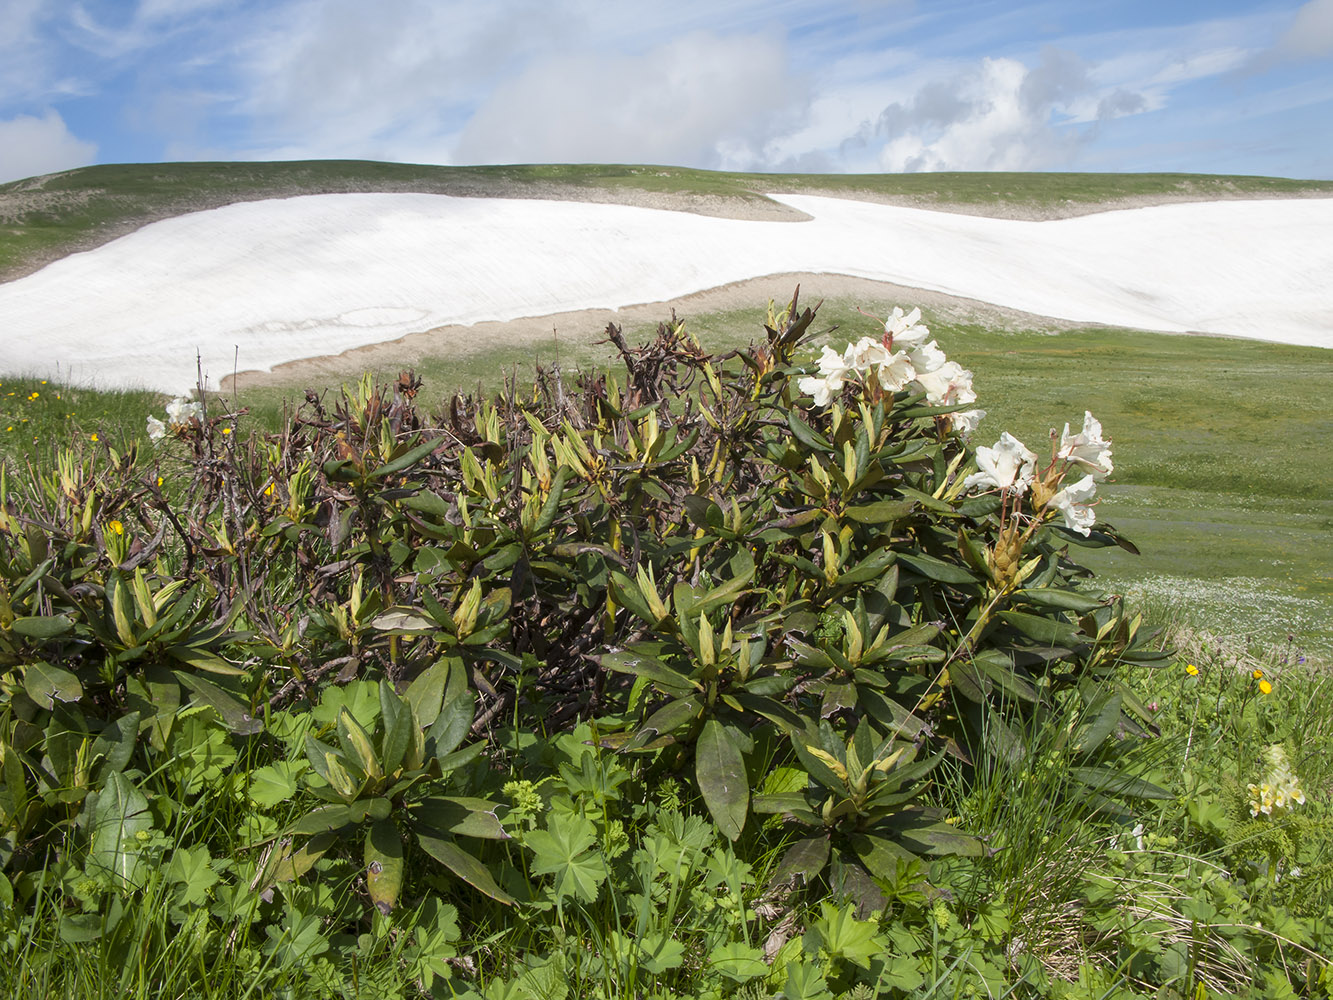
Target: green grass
{"x": 42, "y": 219}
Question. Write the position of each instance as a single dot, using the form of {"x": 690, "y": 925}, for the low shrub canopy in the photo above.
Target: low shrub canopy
{"x": 794, "y": 593}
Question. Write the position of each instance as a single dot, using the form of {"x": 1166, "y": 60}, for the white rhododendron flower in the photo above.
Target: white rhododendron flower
{"x": 180, "y": 411}
{"x": 965, "y": 422}
{"x": 905, "y": 329}
{"x": 834, "y": 370}
{"x": 1087, "y": 449}
{"x": 949, "y": 378}
{"x": 1072, "y": 502}
{"x": 895, "y": 372}
{"x": 156, "y": 429}
{"x": 1007, "y": 466}
{"x": 866, "y": 352}
{"x": 927, "y": 357}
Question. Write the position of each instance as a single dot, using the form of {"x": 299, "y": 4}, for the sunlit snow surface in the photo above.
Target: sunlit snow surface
{"x": 260, "y": 283}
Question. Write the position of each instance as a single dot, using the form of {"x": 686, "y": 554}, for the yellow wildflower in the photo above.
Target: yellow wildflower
{"x": 94, "y": 437}
{"x": 226, "y": 430}
{"x": 117, "y": 527}
{"x": 1265, "y": 687}
{"x": 1258, "y": 675}
{"x": 1192, "y": 670}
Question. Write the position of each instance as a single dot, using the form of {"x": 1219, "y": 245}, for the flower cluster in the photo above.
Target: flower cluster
{"x": 903, "y": 359}
{"x": 1011, "y": 467}
{"x": 180, "y": 413}
{"x": 1279, "y": 789}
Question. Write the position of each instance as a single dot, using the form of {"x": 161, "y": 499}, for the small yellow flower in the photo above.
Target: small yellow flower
{"x": 1192, "y": 670}
{"x": 94, "y": 437}
{"x": 117, "y": 527}
{"x": 1265, "y": 687}
{"x": 226, "y": 430}
{"x": 1258, "y": 675}
{"x": 268, "y": 490}
{"x": 159, "y": 480}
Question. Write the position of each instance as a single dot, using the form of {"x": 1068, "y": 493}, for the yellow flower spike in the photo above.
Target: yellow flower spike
{"x": 1265, "y": 687}
{"x": 1192, "y": 670}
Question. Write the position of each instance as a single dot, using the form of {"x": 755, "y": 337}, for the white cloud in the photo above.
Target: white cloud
{"x": 1001, "y": 115}
{"x": 30, "y": 145}
{"x": 700, "y": 99}
{"x": 1311, "y": 32}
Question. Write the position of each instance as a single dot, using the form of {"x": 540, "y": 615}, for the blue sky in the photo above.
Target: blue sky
{"x": 813, "y": 85}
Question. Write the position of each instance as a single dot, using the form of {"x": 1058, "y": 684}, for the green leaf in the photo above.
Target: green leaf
{"x": 666, "y": 720}
{"x": 384, "y": 864}
{"x": 408, "y": 458}
{"x": 936, "y": 569}
{"x": 114, "y": 745}
{"x": 565, "y": 850}
{"x": 466, "y": 817}
{"x": 631, "y": 661}
{"x": 720, "y": 770}
{"x": 42, "y": 626}
{"x": 203, "y": 659}
{"x": 47, "y": 684}
{"x": 1048, "y": 631}
{"x": 118, "y": 816}
{"x": 464, "y": 865}
{"x": 552, "y": 505}
{"x": 806, "y": 434}
{"x": 275, "y": 783}
{"x": 880, "y": 512}
{"x": 233, "y": 713}
{"x": 806, "y": 858}
{"x": 398, "y": 726}
{"x": 191, "y": 871}
{"x": 738, "y": 961}
{"x": 323, "y": 819}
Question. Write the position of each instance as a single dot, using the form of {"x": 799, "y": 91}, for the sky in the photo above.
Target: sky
{"x": 1216, "y": 86}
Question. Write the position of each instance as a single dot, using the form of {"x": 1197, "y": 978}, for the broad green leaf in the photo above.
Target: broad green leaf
{"x": 323, "y": 819}
{"x": 630, "y": 661}
{"x": 384, "y": 864}
{"x": 720, "y": 771}
{"x": 230, "y": 708}
{"x": 936, "y": 569}
{"x": 881, "y": 511}
{"x": 565, "y": 849}
{"x": 738, "y": 961}
{"x": 42, "y": 626}
{"x": 464, "y": 865}
{"x": 119, "y": 815}
{"x": 191, "y": 871}
{"x": 1050, "y": 631}
{"x": 275, "y": 783}
{"x": 467, "y": 817}
{"x": 47, "y": 684}
{"x": 398, "y": 726}
{"x": 805, "y": 858}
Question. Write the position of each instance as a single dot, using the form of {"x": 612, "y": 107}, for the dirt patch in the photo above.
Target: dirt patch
{"x": 587, "y": 326}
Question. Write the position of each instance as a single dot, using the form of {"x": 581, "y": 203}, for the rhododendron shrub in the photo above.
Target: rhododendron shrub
{"x": 733, "y": 563}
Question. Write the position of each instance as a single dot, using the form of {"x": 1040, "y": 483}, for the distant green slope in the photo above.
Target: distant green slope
{"x": 45, "y": 218}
